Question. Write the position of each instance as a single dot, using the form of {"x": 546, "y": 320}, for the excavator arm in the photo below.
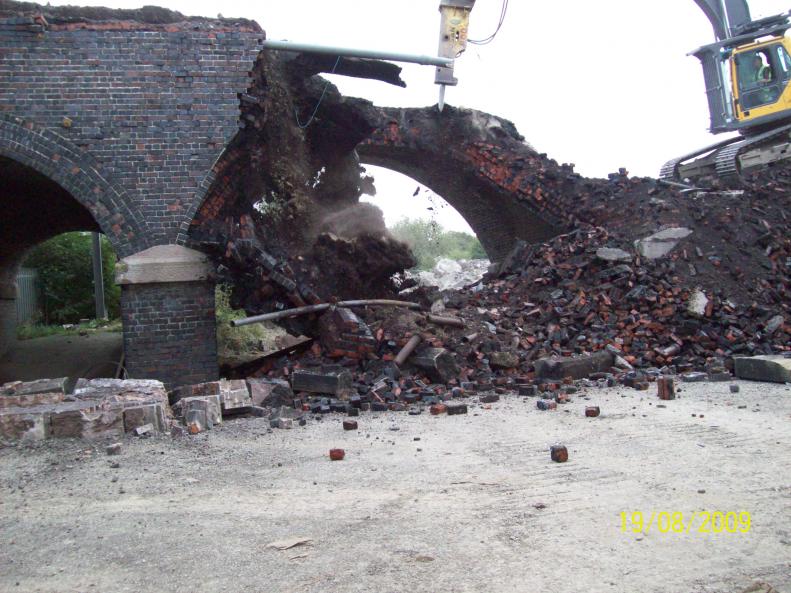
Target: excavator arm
{"x": 728, "y": 17}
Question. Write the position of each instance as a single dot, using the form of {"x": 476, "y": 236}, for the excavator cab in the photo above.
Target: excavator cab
{"x": 760, "y": 74}
{"x": 747, "y": 72}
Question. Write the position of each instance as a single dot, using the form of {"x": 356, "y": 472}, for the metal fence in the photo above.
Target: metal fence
{"x": 26, "y": 294}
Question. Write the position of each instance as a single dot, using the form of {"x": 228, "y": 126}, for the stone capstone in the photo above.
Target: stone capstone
{"x": 164, "y": 264}
{"x": 768, "y": 368}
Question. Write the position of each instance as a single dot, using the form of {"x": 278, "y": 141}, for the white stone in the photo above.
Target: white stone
{"x": 661, "y": 243}
{"x": 613, "y": 254}
{"x": 696, "y": 305}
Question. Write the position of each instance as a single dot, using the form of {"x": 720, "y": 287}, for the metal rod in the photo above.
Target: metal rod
{"x": 98, "y": 279}
{"x": 408, "y": 349}
{"x": 452, "y": 321}
{"x": 319, "y": 308}
{"x": 348, "y": 52}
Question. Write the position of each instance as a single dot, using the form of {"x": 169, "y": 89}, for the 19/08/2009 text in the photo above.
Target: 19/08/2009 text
{"x": 678, "y": 522}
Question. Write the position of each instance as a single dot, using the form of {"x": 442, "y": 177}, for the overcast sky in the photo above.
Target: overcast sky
{"x": 603, "y": 84}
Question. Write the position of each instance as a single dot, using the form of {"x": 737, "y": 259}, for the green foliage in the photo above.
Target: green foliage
{"x": 65, "y": 272}
{"x": 234, "y": 341}
{"x": 430, "y": 242}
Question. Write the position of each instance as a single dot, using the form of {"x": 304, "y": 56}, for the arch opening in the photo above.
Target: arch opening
{"x": 38, "y": 209}
{"x": 439, "y": 236}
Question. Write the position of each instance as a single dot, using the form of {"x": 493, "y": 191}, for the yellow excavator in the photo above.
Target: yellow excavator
{"x": 747, "y": 73}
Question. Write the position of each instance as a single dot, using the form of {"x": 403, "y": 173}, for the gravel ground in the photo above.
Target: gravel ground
{"x": 424, "y": 504}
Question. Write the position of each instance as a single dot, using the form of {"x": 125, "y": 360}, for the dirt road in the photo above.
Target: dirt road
{"x": 420, "y": 504}
{"x": 93, "y": 355}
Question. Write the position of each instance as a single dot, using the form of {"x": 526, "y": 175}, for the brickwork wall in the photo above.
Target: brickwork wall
{"x": 169, "y": 332}
{"x": 148, "y": 108}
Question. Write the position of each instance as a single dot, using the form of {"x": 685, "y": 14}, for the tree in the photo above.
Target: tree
{"x": 430, "y": 242}
{"x": 65, "y": 272}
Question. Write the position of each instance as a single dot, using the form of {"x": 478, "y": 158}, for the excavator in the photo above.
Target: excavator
{"x": 747, "y": 72}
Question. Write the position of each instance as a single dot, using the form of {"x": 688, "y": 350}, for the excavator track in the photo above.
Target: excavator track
{"x": 671, "y": 170}
{"x": 726, "y": 160}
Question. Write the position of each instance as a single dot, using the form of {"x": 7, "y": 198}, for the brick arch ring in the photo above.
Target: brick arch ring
{"x": 79, "y": 174}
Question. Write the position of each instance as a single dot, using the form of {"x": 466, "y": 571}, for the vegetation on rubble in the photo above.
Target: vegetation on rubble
{"x": 65, "y": 277}
{"x": 240, "y": 342}
{"x": 430, "y": 242}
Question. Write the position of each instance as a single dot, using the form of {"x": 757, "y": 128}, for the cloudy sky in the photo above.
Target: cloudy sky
{"x": 603, "y": 84}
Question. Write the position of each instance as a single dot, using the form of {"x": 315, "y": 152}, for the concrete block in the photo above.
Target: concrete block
{"x": 769, "y": 368}
{"x": 661, "y": 243}
{"x": 337, "y": 383}
{"x": 503, "y": 360}
{"x": 269, "y": 392}
{"x": 138, "y": 416}
{"x": 578, "y": 367}
{"x": 24, "y": 424}
{"x": 234, "y": 395}
{"x": 87, "y": 421}
{"x": 209, "y": 403}
{"x": 438, "y": 363}
{"x": 59, "y": 385}
{"x": 29, "y": 401}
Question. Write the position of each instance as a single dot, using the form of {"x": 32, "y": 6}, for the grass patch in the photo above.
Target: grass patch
{"x": 30, "y": 331}
{"x": 248, "y": 341}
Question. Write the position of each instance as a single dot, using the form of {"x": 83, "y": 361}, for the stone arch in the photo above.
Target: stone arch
{"x": 449, "y": 153}
{"x": 79, "y": 174}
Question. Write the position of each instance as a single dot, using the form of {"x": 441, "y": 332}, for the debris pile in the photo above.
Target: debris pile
{"x": 86, "y": 409}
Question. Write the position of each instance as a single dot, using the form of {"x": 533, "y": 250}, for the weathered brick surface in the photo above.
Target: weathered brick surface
{"x": 480, "y": 165}
{"x": 169, "y": 332}
{"x": 129, "y": 119}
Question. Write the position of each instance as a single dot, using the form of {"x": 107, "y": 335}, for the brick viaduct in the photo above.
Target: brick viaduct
{"x": 121, "y": 125}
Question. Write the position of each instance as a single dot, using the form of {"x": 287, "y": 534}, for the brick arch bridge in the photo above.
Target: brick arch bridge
{"x": 128, "y": 122}
{"x": 114, "y": 121}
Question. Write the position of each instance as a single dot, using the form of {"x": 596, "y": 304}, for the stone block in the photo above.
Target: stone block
{"x": 85, "y": 420}
{"x": 196, "y": 390}
{"x": 138, "y": 416}
{"x": 24, "y": 424}
{"x": 578, "y": 367}
{"x": 271, "y": 393}
{"x": 768, "y": 368}
{"x": 337, "y": 383}
{"x": 61, "y": 385}
{"x": 209, "y": 403}
{"x": 438, "y": 364}
{"x": 503, "y": 360}
{"x": 661, "y": 243}
{"x": 234, "y": 395}
{"x": 29, "y": 401}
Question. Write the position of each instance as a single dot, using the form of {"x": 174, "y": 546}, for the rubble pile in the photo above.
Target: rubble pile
{"x": 86, "y": 409}
{"x": 674, "y": 282}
